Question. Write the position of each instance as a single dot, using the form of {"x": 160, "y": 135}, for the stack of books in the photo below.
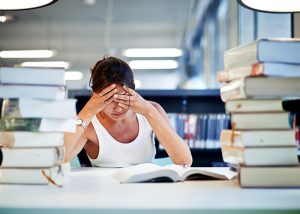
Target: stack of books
{"x": 261, "y": 143}
{"x": 34, "y": 116}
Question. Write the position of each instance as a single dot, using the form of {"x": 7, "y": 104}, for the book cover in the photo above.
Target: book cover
{"x": 49, "y": 92}
{"x": 23, "y": 139}
{"x": 149, "y": 172}
{"x": 41, "y": 76}
{"x": 254, "y": 105}
{"x": 269, "y": 177}
{"x": 263, "y": 50}
{"x": 33, "y": 176}
{"x": 29, "y": 108}
{"x": 261, "y": 87}
{"x": 259, "y": 69}
{"x": 260, "y": 156}
{"x": 38, "y": 124}
{"x": 258, "y": 138}
{"x": 258, "y": 121}
{"x": 31, "y": 157}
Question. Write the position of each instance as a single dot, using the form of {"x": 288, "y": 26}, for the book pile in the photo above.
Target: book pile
{"x": 34, "y": 116}
{"x": 258, "y": 77}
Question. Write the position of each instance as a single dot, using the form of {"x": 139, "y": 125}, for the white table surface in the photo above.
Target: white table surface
{"x": 93, "y": 190}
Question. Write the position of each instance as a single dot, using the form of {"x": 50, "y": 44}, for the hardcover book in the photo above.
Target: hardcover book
{"x": 258, "y": 138}
{"x": 48, "y": 92}
{"x": 40, "y": 76}
{"x": 263, "y": 50}
{"x": 269, "y": 177}
{"x": 27, "y": 108}
{"x": 31, "y": 157}
{"x": 23, "y": 139}
{"x": 260, "y": 69}
{"x": 258, "y": 121}
{"x": 260, "y": 156}
{"x": 261, "y": 87}
{"x": 149, "y": 172}
{"x": 37, "y": 176}
{"x": 38, "y": 124}
{"x": 254, "y": 105}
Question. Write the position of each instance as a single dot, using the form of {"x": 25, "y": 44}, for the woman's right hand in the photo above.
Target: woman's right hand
{"x": 98, "y": 101}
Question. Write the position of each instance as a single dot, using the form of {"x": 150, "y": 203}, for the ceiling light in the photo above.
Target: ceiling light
{"x": 24, "y": 4}
{"x": 27, "y": 54}
{"x": 153, "y": 64}
{"x": 152, "y": 52}
{"x": 73, "y": 75}
{"x": 49, "y": 64}
{"x": 274, "y": 6}
{"x": 6, "y": 18}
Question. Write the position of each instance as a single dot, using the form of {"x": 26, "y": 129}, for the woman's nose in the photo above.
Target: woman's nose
{"x": 116, "y": 107}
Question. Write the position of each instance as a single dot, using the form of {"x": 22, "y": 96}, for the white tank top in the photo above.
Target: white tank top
{"x": 112, "y": 153}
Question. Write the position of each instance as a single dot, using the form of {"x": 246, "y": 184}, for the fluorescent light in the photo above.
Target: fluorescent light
{"x": 276, "y": 6}
{"x": 6, "y": 18}
{"x": 24, "y": 4}
{"x": 73, "y": 75}
{"x": 152, "y": 52}
{"x": 153, "y": 64}
{"x": 51, "y": 64}
{"x": 137, "y": 83}
{"x": 27, "y": 54}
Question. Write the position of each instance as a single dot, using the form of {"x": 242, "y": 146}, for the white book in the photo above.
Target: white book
{"x": 269, "y": 177}
{"x": 254, "y": 105}
{"x": 27, "y": 108}
{"x": 31, "y": 157}
{"x": 259, "y": 121}
{"x": 41, "y": 76}
{"x": 38, "y": 124}
{"x": 149, "y": 172}
{"x": 260, "y": 156}
{"x": 33, "y": 176}
{"x": 33, "y": 91}
{"x": 18, "y": 139}
{"x": 258, "y": 138}
{"x": 263, "y": 50}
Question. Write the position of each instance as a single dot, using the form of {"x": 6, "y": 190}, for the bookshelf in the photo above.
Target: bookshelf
{"x": 177, "y": 101}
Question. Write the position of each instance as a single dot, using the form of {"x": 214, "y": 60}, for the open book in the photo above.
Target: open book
{"x": 148, "y": 172}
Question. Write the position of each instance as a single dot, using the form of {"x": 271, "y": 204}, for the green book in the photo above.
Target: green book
{"x": 38, "y": 124}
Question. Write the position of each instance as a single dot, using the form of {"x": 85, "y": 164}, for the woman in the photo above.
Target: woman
{"x": 116, "y": 125}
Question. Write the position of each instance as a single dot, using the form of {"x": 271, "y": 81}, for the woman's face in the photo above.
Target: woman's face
{"x": 113, "y": 110}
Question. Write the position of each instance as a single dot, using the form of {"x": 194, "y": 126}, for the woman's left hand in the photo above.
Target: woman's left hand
{"x": 133, "y": 101}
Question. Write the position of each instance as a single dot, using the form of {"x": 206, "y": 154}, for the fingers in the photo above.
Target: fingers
{"x": 107, "y": 90}
{"x": 129, "y": 90}
{"x": 124, "y": 106}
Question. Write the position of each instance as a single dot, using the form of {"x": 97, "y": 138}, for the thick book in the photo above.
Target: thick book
{"x": 261, "y": 87}
{"x": 31, "y": 157}
{"x": 38, "y": 124}
{"x": 260, "y": 156}
{"x": 33, "y": 176}
{"x": 260, "y": 69}
{"x": 18, "y": 139}
{"x": 27, "y": 108}
{"x": 254, "y": 105}
{"x": 258, "y": 138}
{"x": 269, "y": 177}
{"x": 263, "y": 50}
{"x": 149, "y": 172}
{"x": 258, "y": 121}
{"x": 49, "y": 92}
{"x": 41, "y": 76}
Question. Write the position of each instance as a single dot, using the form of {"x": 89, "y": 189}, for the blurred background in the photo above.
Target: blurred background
{"x": 195, "y": 32}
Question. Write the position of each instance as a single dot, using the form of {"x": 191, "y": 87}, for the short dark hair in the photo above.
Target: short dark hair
{"x": 111, "y": 70}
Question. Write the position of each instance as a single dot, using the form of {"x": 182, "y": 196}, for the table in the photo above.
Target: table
{"x": 92, "y": 190}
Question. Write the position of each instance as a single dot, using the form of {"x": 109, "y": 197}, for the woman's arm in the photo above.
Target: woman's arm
{"x": 174, "y": 145}
{"x": 74, "y": 142}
